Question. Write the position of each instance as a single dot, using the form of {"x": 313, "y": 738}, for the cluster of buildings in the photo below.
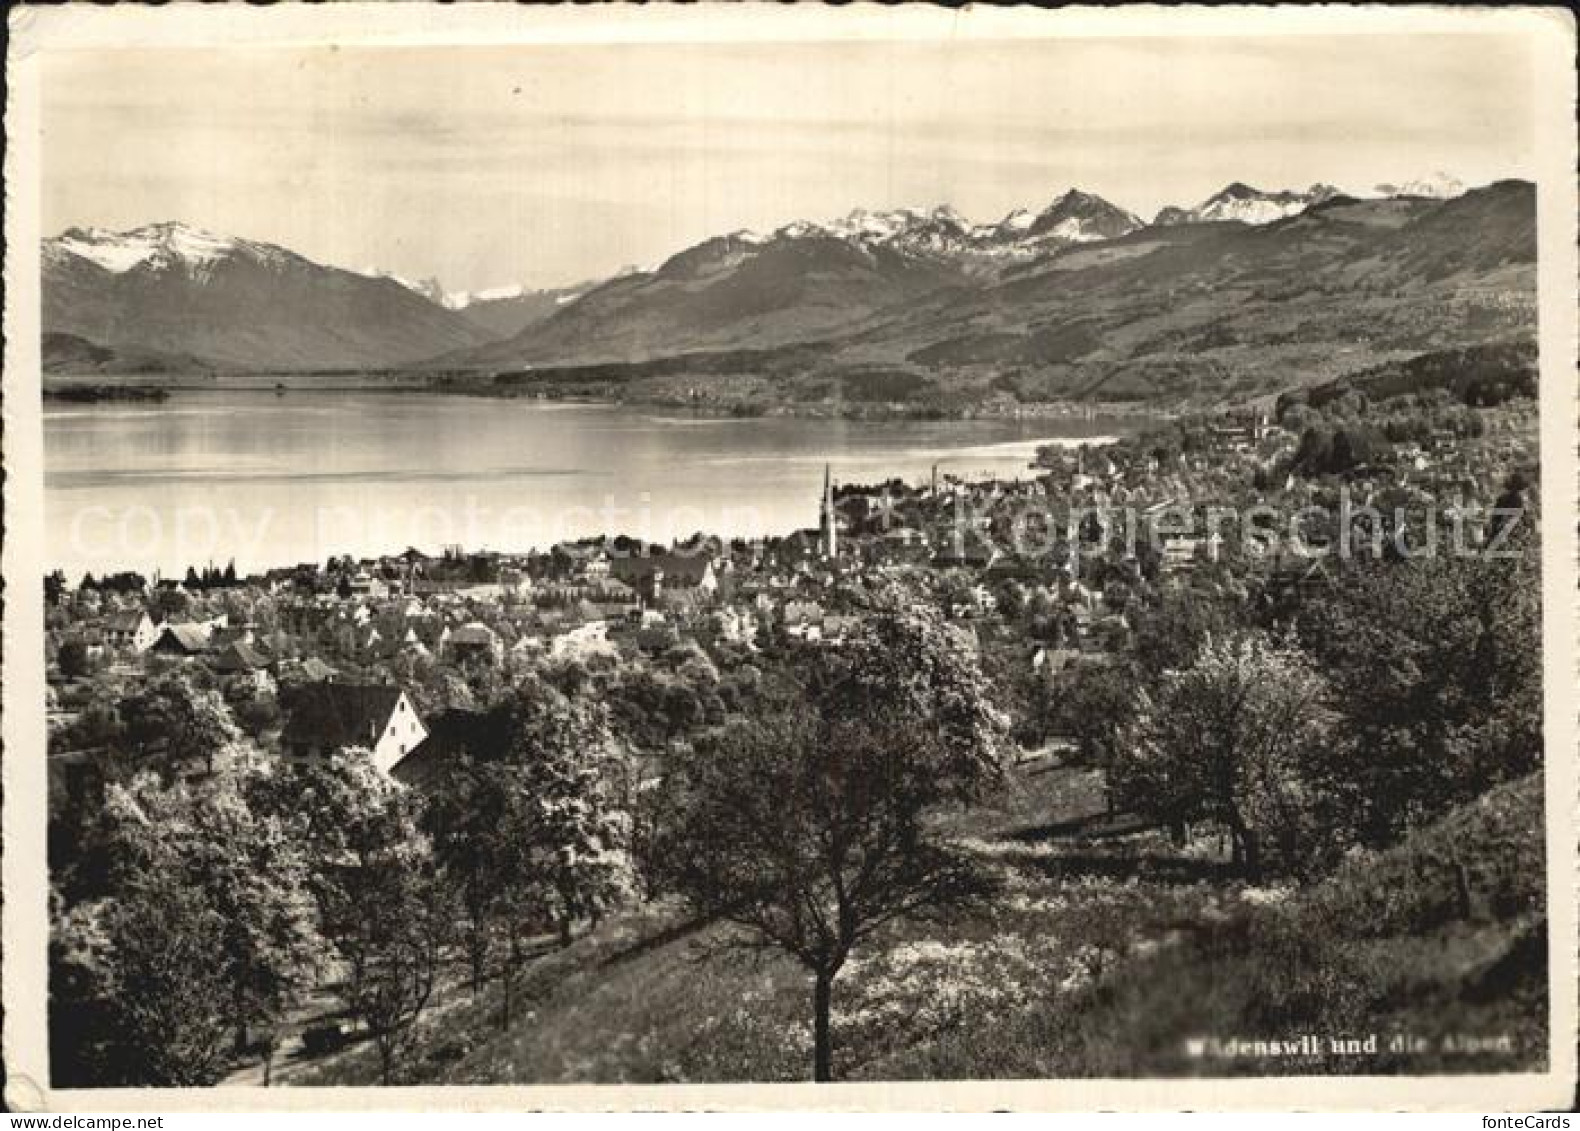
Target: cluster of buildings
{"x": 1045, "y": 550}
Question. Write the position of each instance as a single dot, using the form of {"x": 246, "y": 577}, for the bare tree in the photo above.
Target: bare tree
{"x": 810, "y": 833}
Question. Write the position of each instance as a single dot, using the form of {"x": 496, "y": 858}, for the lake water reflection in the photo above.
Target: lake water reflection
{"x": 270, "y": 480}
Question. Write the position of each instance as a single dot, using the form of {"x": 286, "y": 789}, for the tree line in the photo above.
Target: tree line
{"x": 193, "y": 916}
{"x": 1404, "y": 690}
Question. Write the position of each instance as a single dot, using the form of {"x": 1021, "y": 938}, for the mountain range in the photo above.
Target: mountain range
{"x": 1078, "y": 299}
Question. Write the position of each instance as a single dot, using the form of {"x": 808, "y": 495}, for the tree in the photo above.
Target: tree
{"x": 191, "y": 919}
{"x": 910, "y": 663}
{"x": 512, "y": 850}
{"x": 1234, "y": 739}
{"x": 1315, "y": 453}
{"x": 1513, "y": 507}
{"x": 810, "y": 835}
{"x": 73, "y": 659}
{"x": 255, "y": 877}
{"x": 137, "y": 1000}
{"x": 382, "y": 903}
{"x": 257, "y": 711}
{"x": 1437, "y": 665}
{"x": 807, "y": 826}
{"x": 174, "y": 724}
{"x": 392, "y": 945}
{"x": 559, "y": 760}
{"x": 167, "y": 604}
{"x": 579, "y": 846}
{"x": 1092, "y": 705}
{"x": 1170, "y": 634}
{"x": 476, "y": 842}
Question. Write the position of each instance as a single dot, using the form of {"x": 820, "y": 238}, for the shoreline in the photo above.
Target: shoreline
{"x": 79, "y": 388}
{"x": 1031, "y": 470}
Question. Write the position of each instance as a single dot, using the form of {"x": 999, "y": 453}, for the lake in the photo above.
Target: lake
{"x": 272, "y": 480}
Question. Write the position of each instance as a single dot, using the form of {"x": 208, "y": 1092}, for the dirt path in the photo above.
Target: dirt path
{"x": 323, "y": 1006}
{"x": 291, "y": 1055}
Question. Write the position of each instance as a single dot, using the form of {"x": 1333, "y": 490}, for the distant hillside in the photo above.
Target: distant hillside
{"x": 1185, "y": 313}
{"x": 67, "y": 353}
{"x": 169, "y": 289}
{"x": 1478, "y": 375}
{"x": 726, "y": 293}
{"x": 505, "y": 315}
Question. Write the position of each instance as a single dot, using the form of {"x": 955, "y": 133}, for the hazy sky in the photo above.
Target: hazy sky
{"x": 547, "y": 165}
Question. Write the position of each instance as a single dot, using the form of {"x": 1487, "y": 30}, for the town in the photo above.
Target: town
{"x": 1068, "y": 605}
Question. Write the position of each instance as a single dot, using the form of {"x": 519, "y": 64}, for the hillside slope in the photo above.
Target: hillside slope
{"x": 726, "y": 293}
{"x": 229, "y": 303}
{"x": 1187, "y": 312}
{"x": 1441, "y": 936}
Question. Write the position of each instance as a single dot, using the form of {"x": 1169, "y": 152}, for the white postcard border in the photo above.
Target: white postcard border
{"x": 82, "y": 27}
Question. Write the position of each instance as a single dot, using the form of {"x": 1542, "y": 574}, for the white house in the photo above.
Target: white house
{"x": 325, "y": 718}
{"x": 134, "y": 630}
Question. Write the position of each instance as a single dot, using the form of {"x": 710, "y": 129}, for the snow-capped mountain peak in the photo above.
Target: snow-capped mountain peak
{"x": 430, "y": 288}
{"x": 1018, "y": 220}
{"x": 1239, "y": 201}
{"x": 196, "y": 297}
{"x": 1081, "y": 217}
{"x": 434, "y": 291}
{"x": 942, "y": 232}
{"x": 1246, "y": 204}
{"x": 155, "y": 245}
{"x": 864, "y": 226}
{"x": 1438, "y": 185}
{"x": 490, "y": 294}
{"x": 798, "y": 229}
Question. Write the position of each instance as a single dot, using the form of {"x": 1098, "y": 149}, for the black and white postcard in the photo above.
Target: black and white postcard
{"x": 789, "y": 556}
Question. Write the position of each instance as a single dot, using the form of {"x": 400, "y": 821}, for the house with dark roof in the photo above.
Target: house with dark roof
{"x": 651, "y": 574}
{"x": 452, "y": 734}
{"x": 1297, "y": 574}
{"x": 135, "y": 630}
{"x": 243, "y": 665}
{"x": 183, "y": 640}
{"x": 239, "y": 656}
{"x": 228, "y": 634}
{"x": 325, "y": 718}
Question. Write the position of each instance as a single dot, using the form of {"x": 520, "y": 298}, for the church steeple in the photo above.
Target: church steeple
{"x": 826, "y": 524}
